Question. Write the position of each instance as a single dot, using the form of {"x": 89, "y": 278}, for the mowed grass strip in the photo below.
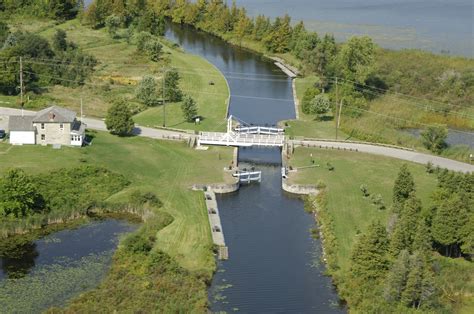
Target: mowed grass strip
{"x": 166, "y": 168}
{"x": 351, "y": 211}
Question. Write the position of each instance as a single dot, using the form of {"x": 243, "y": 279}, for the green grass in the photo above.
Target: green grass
{"x": 168, "y": 169}
{"x": 121, "y": 68}
{"x": 307, "y": 125}
{"x": 351, "y": 211}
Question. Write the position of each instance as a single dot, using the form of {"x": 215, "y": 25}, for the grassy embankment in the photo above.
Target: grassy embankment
{"x": 164, "y": 168}
{"x": 121, "y": 68}
{"x": 352, "y": 213}
{"x": 167, "y": 169}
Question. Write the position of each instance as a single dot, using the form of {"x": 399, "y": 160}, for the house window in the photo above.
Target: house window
{"x": 43, "y": 137}
{"x": 42, "y": 126}
{"x": 61, "y": 126}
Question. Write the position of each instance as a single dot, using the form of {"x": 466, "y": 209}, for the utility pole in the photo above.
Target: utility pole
{"x": 81, "y": 110}
{"x": 21, "y": 82}
{"x": 337, "y": 98}
{"x": 339, "y": 115}
{"x": 163, "y": 95}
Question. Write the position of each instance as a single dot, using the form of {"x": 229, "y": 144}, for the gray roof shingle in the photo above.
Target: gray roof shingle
{"x": 55, "y": 114}
{"x": 20, "y": 123}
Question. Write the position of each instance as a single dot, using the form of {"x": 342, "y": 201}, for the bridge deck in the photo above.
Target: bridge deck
{"x": 237, "y": 139}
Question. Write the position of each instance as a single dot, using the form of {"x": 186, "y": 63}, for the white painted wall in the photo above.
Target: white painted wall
{"x": 22, "y": 137}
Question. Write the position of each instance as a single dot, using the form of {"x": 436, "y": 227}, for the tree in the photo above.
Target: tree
{"x": 420, "y": 288}
{"x": 309, "y": 94}
{"x": 152, "y": 23}
{"x": 112, "y": 23}
{"x": 119, "y": 119}
{"x": 4, "y": 32}
{"x": 356, "y": 59}
{"x": 154, "y": 49}
{"x": 434, "y": 138}
{"x": 59, "y": 40}
{"x": 189, "y": 108}
{"x": 404, "y": 233}
{"x": 320, "y": 105}
{"x": 243, "y": 25}
{"x": 147, "y": 92}
{"x": 448, "y": 222}
{"x": 397, "y": 277}
{"x": 172, "y": 91}
{"x": 369, "y": 256}
{"x": 19, "y": 196}
{"x": 404, "y": 185}
{"x": 279, "y": 38}
{"x": 141, "y": 40}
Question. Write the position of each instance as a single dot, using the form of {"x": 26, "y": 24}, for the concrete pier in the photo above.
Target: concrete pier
{"x": 215, "y": 224}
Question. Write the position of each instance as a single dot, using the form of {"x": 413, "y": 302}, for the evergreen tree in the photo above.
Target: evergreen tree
{"x": 119, "y": 119}
{"x": 59, "y": 40}
{"x": 262, "y": 26}
{"x": 404, "y": 185}
{"x": 397, "y": 277}
{"x": 189, "y": 108}
{"x": 412, "y": 293}
{"x": 369, "y": 256}
{"x": 422, "y": 238}
{"x": 405, "y": 228}
{"x": 172, "y": 91}
{"x": 451, "y": 216}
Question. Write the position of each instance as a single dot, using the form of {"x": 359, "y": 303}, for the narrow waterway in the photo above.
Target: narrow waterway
{"x": 274, "y": 263}
{"x": 50, "y": 271}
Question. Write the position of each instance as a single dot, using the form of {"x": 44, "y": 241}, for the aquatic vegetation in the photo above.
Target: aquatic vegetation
{"x": 53, "y": 285}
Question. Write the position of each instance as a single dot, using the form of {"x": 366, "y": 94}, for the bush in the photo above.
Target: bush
{"x": 137, "y": 243}
{"x": 365, "y": 190}
{"x": 330, "y": 166}
{"x": 139, "y": 199}
{"x": 434, "y": 138}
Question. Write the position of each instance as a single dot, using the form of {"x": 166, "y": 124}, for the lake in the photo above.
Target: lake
{"x": 433, "y": 25}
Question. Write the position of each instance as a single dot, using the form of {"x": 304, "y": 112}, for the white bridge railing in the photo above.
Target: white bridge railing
{"x": 238, "y": 139}
{"x": 248, "y": 176}
{"x": 259, "y": 130}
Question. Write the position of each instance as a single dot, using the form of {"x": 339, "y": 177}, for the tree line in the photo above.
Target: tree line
{"x": 60, "y": 62}
{"x": 393, "y": 267}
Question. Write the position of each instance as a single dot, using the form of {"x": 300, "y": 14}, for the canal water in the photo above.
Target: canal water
{"x": 50, "y": 271}
{"x": 274, "y": 264}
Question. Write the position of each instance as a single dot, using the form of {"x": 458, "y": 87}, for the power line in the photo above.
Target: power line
{"x": 401, "y": 119}
{"x": 421, "y": 106}
{"x": 398, "y": 93}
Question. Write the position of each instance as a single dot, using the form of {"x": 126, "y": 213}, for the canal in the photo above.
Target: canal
{"x": 274, "y": 263}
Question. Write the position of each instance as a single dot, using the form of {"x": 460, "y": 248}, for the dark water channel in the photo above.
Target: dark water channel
{"x": 47, "y": 272}
{"x": 274, "y": 264}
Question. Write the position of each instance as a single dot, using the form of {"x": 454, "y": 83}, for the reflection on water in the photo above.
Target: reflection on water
{"x": 273, "y": 265}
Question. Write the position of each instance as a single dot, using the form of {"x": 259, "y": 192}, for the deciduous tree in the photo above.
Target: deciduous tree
{"x": 119, "y": 119}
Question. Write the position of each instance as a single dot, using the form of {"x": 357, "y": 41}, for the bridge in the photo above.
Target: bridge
{"x": 248, "y": 176}
{"x": 244, "y": 136}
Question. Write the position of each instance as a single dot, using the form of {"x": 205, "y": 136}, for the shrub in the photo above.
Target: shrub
{"x": 365, "y": 190}
{"x": 137, "y": 243}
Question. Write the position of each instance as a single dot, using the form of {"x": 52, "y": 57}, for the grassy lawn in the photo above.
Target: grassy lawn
{"x": 165, "y": 168}
{"x": 307, "y": 125}
{"x": 121, "y": 68}
{"x": 351, "y": 211}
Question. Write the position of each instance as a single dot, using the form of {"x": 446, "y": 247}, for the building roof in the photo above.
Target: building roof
{"x": 21, "y": 123}
{"x": 78, "y": 128}
{"x": 55, "y": 114}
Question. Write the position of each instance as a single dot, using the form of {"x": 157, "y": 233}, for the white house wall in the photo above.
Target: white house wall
{"x": 22, "y": 137}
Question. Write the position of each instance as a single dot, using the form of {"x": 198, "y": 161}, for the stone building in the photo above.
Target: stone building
{"x": 53, "y": 125}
